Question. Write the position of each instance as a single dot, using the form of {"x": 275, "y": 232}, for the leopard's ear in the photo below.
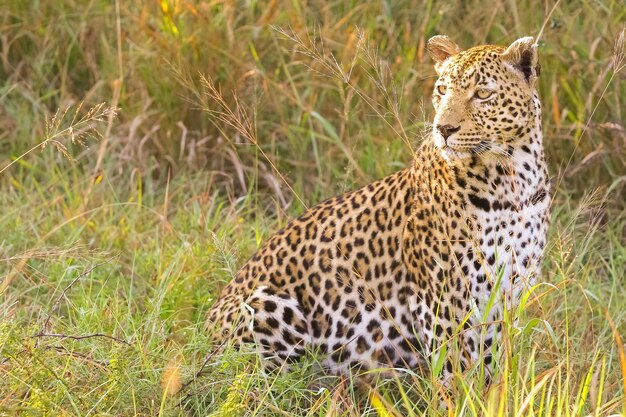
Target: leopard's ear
{"x": 522, "y": 55}
{"x": 441, "y": 48}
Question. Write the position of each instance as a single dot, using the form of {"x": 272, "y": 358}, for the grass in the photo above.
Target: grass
{"x": 111, "y": 258}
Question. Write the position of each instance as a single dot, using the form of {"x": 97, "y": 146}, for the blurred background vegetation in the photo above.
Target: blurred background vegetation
{"x": 124, "y": 218}
{"x": 146, "y": 58}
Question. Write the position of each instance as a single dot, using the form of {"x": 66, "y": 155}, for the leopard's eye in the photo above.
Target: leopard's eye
{"x": 483, "y": 93}
{"x": 441, "y": 89}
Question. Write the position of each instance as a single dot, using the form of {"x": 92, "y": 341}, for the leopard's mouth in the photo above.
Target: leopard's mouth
{"x": 451, "y": 152}
{"x": 479, "y": 146}
{"x": 466, "y": 148}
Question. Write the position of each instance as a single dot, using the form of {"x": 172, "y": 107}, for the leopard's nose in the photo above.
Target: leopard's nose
{"x": 447, "y": 130}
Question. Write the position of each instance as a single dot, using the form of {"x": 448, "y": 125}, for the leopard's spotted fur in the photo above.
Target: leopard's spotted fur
{"x": 431, "y": 255}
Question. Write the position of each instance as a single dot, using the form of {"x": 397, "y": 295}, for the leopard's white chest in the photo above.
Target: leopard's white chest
{"x": 508, "y": 243}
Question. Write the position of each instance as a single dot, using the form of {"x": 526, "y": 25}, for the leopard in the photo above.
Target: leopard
{"x": 417, "y": 270}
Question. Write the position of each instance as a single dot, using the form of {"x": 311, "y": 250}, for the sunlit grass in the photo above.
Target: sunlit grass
{"x": 108, "y": 268}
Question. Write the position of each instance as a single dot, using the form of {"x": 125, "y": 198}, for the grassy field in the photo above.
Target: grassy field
{"x": 148, "y": 148}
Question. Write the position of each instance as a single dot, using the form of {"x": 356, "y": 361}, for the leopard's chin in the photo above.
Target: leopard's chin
{"x": 452, "y": 155}
{"x": 452, "y": 152}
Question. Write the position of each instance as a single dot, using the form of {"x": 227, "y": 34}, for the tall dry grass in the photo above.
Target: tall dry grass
{"x": 226, "y": 112}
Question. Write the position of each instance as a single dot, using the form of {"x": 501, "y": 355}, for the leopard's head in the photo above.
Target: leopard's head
{"x": 484, "y": 96}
